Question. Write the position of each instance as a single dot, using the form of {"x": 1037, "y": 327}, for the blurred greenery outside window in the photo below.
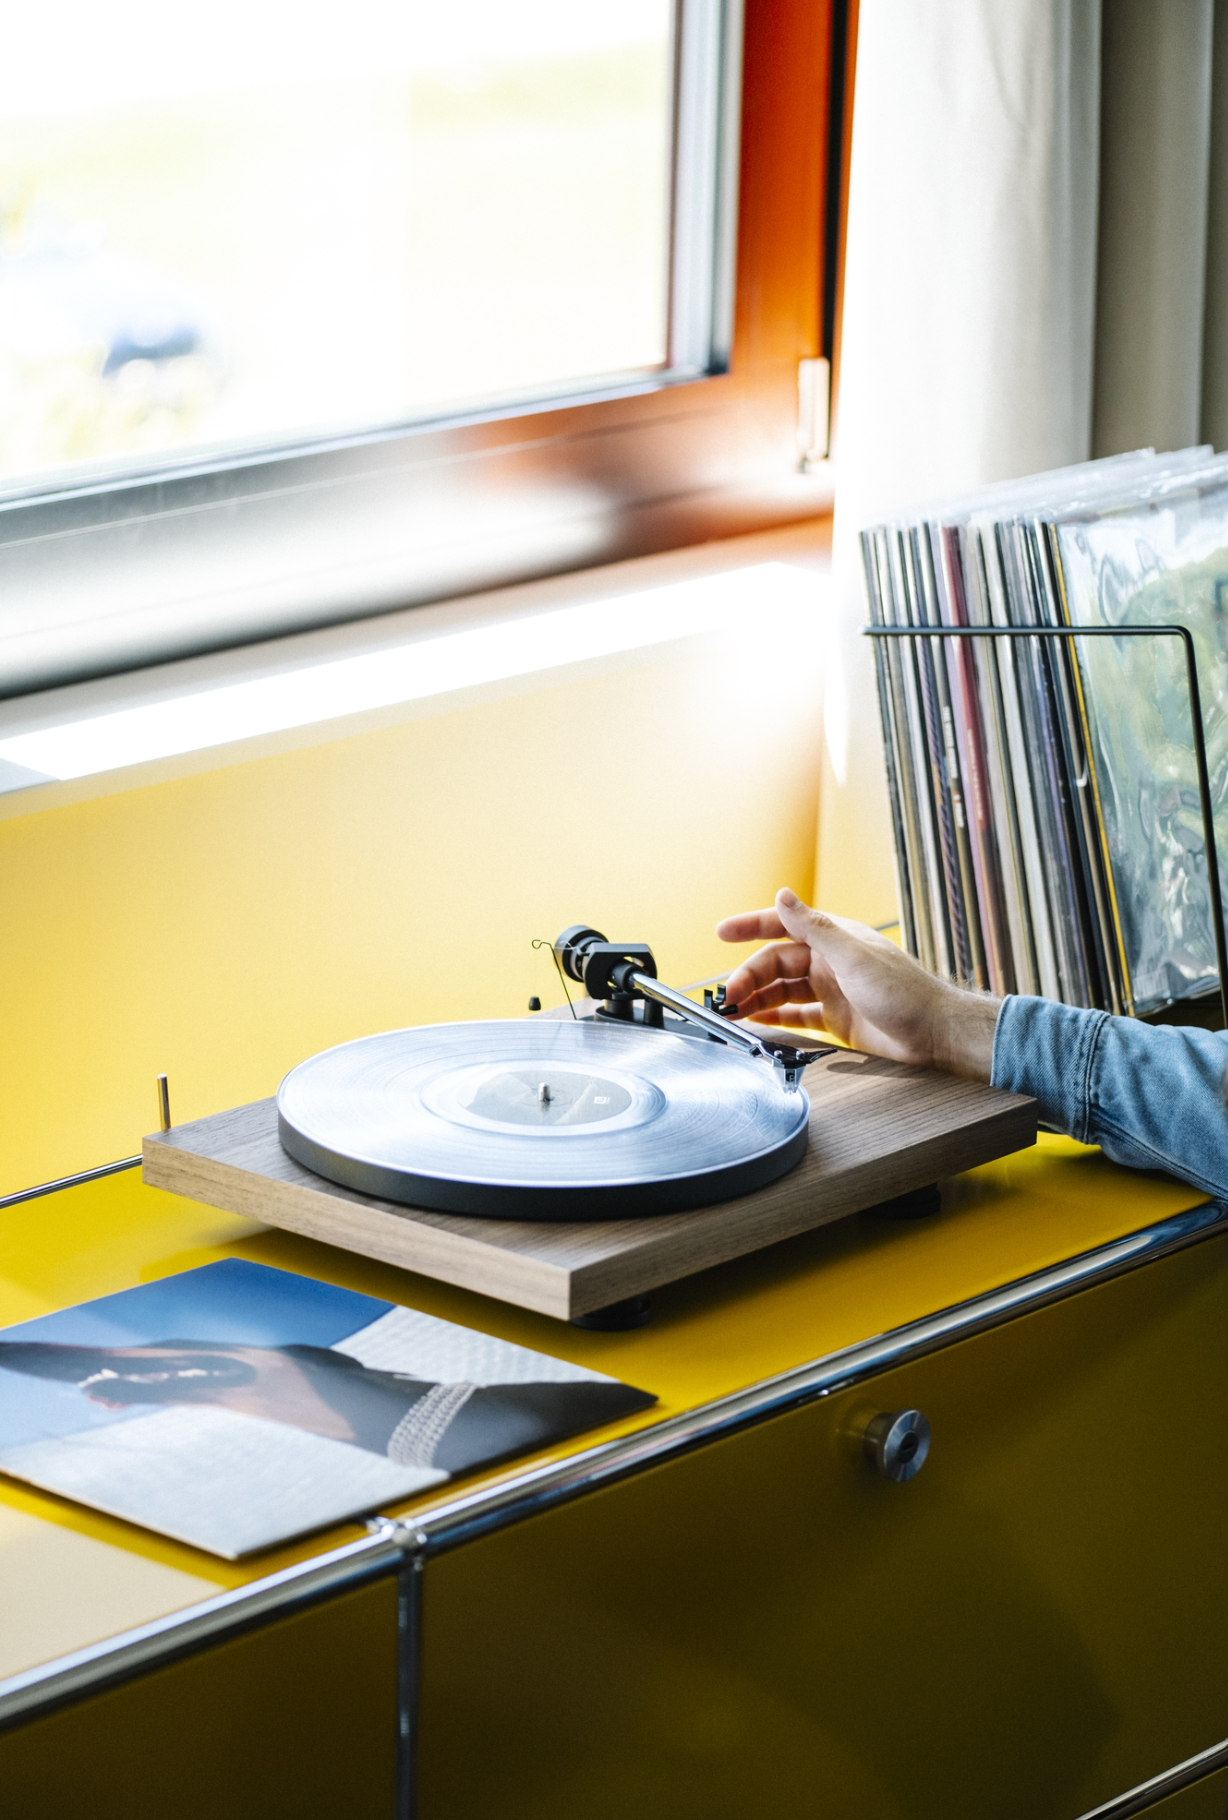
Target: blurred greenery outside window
{"x": 259, "y": 223}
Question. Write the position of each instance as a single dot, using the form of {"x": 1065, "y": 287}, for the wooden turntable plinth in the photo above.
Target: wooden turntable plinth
{"x": 877, "y": 1130}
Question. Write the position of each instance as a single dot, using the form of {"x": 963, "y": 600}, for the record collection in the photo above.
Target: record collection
{"x": 1047, "y": 817}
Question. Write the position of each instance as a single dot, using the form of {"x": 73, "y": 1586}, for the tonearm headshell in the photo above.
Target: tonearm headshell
{"x": 621, "y": 978}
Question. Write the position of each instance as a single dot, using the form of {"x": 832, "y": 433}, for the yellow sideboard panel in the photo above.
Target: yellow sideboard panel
{"x": 1206, "y": 1800}
{"x": 296, "y": 1721}
{"x": 1034, "y": 1624}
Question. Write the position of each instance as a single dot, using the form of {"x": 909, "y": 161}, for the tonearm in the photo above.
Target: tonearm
{"x": 620, "y": 974}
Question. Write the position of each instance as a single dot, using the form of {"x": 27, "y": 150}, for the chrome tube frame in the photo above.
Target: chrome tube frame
{"x": 1149, "y": 1794}
{"x": 468, "y": 1517}
{"x": 183, "y": 1633}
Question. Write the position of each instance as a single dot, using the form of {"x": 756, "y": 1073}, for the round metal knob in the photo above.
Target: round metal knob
{"x": 896, "y": 1444}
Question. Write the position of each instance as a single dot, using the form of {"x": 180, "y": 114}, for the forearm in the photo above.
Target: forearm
{"x": 963, "y": 1032}
{"x": 1149, "y": 1096}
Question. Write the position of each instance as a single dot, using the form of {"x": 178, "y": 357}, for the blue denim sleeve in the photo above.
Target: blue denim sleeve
{"x": 1149, "y": 1095}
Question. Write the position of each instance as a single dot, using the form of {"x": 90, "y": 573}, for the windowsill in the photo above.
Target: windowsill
{"x": 173, "y": 720}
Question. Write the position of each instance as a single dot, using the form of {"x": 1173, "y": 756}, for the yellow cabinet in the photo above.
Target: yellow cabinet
{"x": 1206, "y": 1800}
{"x": 717, "y": 1609}
{"x": 1035, "y": 1623}
{"x": 295, "y": 1720}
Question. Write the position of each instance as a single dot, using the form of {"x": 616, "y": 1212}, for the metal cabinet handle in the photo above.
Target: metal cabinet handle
{"x": 896, "y": 1444}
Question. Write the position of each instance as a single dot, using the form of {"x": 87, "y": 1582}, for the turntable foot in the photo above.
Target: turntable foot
{"x": 915, "y": 1205}
{"x": 616, "y": 1317}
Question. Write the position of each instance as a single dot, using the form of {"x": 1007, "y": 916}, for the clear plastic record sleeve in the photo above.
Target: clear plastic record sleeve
{"x": 1159, "y": 559}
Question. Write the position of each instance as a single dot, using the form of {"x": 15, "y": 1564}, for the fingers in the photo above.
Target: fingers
{"x": 825, "y": 934}
{"x": 787, "y": 960}
{"x": 858, "y": 986}
{"x": 781, "y": 992}
{"x": 827, "y": 957}
{"x": 751, "y": 926}
{"x": 808, "y": 1017}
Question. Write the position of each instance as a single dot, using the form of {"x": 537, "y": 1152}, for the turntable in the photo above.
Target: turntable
{"x": 571, "y": 1161}
{"x": 651, "y": 1105}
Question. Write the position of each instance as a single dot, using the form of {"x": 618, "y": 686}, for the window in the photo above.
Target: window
{"x": 388, "y": 318}
{"x": 439, "y": 206}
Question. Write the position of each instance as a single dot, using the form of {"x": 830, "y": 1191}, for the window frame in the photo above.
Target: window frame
{"x": 111, "y": 575}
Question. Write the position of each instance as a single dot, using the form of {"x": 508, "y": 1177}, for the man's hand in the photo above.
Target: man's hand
{"x": 857, "y": 986}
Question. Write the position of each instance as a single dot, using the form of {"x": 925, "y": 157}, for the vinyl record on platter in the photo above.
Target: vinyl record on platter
{"x": 542, "y": 1121}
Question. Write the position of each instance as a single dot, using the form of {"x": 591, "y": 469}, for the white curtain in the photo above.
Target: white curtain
{"x": 1156, "y": 84}
{"x": 969, "y": 320}
{"x": 1037, "y": 271}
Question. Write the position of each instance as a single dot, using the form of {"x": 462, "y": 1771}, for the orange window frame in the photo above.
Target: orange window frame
{"x": 719, "y": 455}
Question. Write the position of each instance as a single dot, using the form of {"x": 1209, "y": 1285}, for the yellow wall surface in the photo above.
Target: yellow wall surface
{"x": 221, "y": 926}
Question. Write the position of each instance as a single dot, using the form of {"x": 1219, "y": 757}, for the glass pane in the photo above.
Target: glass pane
{"x": 270, "y": 218}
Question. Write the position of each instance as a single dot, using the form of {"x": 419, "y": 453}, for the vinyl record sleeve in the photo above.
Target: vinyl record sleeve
{"x": 901, "y": 784}
{"x": 974, "y": 761}
{"x": 1049, "y": 782}
{"x": 961, "y": 878}
{"x": 236, "y": 1406}
{"x": 948, "y": 808}
{"x": 1014, "y": 673}
{"x": 920, "y": 765}
{"x": 1021, "y": 973}
{"x": 1159, "y": 561}
{"x": 1100, "y": 972}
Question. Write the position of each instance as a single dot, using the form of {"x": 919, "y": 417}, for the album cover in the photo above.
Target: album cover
{"x": 1158, "y": 562}
{"x": 914, "y": 905}
{"x": 236, "y": 1406}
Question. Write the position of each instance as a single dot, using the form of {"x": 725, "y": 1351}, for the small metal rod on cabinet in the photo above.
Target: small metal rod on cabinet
{"x": 92, "y": 1175}
{"x": 68, "y": 1181}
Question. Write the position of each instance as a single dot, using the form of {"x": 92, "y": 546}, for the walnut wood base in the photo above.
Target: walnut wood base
{"x": 877, "y": 1130}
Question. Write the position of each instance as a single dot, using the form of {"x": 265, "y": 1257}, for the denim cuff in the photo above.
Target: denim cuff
{"x": 1150, "y": 1096}
{"x": 1049, "y": 1051}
